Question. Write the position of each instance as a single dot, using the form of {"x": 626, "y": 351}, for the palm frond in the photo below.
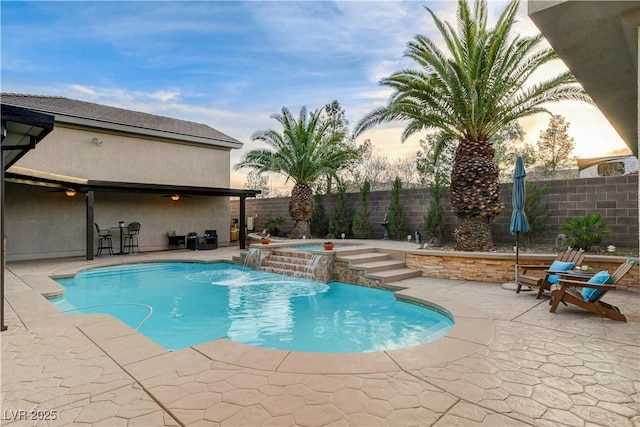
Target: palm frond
{"x": 479, "y": 85}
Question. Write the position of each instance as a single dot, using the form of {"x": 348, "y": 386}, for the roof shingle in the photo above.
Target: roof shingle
{"x": 103, "y": 113}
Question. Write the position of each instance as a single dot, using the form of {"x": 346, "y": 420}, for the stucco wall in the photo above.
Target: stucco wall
{"x": 40, "y": 223}
{"x": 70, "y": 151}
{"x": 616, "y": 198}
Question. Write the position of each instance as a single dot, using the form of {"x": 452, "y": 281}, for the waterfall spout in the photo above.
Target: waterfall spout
{"x": 252, "y": 259}
{"x": 313, "y": 263}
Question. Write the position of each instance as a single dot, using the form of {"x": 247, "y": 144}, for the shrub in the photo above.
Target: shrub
{"x": 398, "y": 221}
{"x": 273, "y": 225}
{"x": 362, "y": 219}
{"x": 434, "y": 220}
{"x": 341, "y": 220}
{"x": 537, "y": 212}
{"x": 586, "y": 232}
{"x": 319, "y": 220}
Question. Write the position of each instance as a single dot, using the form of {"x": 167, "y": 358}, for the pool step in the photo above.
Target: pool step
{"x": 388, "y": 276}
{"x": 364, "y": 257}
{"x": 376, "y": 264}
{"x": 384, "y": 267}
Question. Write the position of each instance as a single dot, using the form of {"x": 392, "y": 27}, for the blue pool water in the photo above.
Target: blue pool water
{"x": 184, "y": 304}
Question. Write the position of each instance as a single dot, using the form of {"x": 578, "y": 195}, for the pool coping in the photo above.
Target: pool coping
{"x": 142, "y": 357}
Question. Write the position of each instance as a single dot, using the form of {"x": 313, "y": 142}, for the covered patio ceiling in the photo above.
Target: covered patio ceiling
{"x": 25, "y": 176}
{"x": 31, "y": 177}
{"x": 598, "y": 41}
{"x": 22, "y": 129}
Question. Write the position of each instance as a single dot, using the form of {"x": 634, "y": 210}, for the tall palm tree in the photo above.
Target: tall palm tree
{"x": 305, "y": 150}
{"x": 468, "y": 95}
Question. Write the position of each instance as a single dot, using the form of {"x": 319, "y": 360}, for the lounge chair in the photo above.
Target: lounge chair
{"x": 208, "y": 241}
{"x": 565, "y": 260}
{"x": 588, "y": 294}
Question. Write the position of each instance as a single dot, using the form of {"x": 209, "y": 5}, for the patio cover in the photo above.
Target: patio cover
{"x": 32, "y": 177}
{"x": 21, "y": 130}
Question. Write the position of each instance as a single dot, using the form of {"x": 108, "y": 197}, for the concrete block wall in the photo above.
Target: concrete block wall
{"x": 616, "y": 198}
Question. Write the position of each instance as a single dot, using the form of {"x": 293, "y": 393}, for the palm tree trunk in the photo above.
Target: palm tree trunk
{"x": 475, "y": 194}
{"x": 474, "y": 234}
{"x": 301, "y": 210}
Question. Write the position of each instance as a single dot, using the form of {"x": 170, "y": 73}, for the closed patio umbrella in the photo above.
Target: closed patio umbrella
{"x": 519, "y": 223}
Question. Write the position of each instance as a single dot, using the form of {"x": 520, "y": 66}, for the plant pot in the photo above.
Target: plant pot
{"x": 328, "y": 246}
{"x": 265, "y": 241}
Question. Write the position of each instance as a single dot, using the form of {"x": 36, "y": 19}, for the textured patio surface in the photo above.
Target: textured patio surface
{"x": 507, "y": 362}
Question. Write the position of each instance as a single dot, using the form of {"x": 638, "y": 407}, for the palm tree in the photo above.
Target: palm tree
{"x": 468, "y": 96}
{"x": 305, "y": 150}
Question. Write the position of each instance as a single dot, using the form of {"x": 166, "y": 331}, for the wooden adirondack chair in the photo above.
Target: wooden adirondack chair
{"x": 564, "y": 293}
{"x": 542, "y": 282}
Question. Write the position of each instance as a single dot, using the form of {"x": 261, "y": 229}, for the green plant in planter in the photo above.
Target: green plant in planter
{"x": 273, "y": 225}
{"x": 586, "y": 232}
{"x": 434, "y": 220}
{"x": 537, "y": 212}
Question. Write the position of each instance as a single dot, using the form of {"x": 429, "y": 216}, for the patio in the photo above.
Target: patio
{"x": 508, "y": 362}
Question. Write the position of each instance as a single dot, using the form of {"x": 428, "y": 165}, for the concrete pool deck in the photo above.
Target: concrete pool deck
{"x": 507, "y": 362}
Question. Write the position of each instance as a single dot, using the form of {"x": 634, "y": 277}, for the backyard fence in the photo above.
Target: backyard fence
{"x": 615, "y": 198}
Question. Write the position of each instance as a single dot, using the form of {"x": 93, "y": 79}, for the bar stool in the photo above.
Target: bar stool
{"x": 131, "y": 237}
{"x": 104, "y": 240}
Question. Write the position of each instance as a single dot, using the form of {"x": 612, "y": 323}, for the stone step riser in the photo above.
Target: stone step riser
{"x": 284, "y": 266}
{"x": 287, "y": 260}
{"x": 291, "y": 254}
{"x": 297, "y": 274}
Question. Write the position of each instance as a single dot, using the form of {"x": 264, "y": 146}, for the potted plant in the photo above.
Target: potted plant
{"x": 328, "y": 246}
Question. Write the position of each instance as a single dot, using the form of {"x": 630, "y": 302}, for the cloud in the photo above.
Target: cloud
{"x": 83, "y": 90}
{"x": 231, "y": 64}
{"x": 164, "y": 96}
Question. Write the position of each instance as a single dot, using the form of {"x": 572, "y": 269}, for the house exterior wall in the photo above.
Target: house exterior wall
{"x": 128, "y": 158}
{"x": 40, "y": 223}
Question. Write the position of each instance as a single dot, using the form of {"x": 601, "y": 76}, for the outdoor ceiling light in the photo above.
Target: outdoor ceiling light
{"x": 70, "y": 192}
{"x": 175, "y": 197}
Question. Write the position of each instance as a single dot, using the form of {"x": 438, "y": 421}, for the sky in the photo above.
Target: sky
{"x": 232, "y": 64}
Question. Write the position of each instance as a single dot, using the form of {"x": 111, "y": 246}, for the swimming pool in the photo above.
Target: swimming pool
{"x": 184, "y": 304}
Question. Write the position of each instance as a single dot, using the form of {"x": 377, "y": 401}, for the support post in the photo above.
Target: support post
{"x": 3, "y": 327}
{"x": 243, "y": 224}
{"x": 90, "y": 221}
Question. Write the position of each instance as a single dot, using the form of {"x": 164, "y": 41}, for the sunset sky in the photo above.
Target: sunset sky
{"x": 233, "y": 64}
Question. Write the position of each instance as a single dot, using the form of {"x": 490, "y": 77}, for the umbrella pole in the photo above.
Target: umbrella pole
{"x": 517, "y": 255}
